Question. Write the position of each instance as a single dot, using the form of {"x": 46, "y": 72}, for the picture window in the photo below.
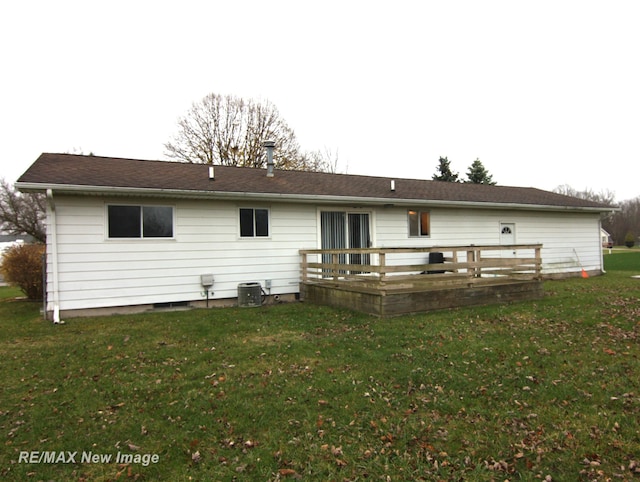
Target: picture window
{"x": 140, "y": 221}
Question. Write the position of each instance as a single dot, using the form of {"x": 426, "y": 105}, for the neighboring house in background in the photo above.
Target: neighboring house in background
{"x": 8, "y": 240}
{"x": 127, "y": 234}
{"x": 607, "y": 240}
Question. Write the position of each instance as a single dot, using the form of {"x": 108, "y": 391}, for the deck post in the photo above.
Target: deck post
{"x": 471, "y": 258}
{"x": 305, "y": 266}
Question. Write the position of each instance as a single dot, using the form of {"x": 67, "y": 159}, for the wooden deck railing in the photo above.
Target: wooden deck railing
{"x": 377, "y": 268}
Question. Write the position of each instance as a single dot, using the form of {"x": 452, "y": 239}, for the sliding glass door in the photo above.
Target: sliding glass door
{"x": 340, "y": 230}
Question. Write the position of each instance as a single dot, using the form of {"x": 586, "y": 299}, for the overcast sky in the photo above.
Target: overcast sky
{"x": 544, "y": 93}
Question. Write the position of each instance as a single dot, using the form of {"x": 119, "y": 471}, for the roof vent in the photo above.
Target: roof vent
{"x": 211, "y": 173}
{"x": 269, "y": 145}
{"x": 393, "y": 184}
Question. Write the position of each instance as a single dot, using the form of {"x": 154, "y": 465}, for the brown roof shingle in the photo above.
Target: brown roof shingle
{"x": 66, "y": 171}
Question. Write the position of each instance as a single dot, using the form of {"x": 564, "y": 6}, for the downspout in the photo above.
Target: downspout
{"x": 54, "y": 257}
{"x": 602, "y": 271}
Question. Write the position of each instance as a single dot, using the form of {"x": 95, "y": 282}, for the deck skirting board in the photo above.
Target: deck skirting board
{"x": 389, "y": 303}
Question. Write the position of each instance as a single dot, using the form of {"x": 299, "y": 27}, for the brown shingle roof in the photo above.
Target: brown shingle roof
{"x": 73, "y": 172}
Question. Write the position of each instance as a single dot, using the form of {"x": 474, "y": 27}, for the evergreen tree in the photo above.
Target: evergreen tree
{"x": 477, "y": 174}
{"x": 444, "y": 171}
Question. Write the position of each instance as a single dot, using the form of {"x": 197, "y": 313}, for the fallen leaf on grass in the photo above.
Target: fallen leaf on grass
{"x": 289, "y": 472}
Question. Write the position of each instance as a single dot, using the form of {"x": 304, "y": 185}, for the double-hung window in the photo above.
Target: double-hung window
{"x": 419, "y": 223}
{"x": 254, "y": 223}
{"x": 131, "y": 221}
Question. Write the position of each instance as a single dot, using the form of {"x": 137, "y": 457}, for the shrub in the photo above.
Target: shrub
{"x": 22, "y": 267}
{"x": 629, "y": 240}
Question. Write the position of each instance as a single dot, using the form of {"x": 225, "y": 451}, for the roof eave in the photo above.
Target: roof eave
{"x": 304, "y": 198}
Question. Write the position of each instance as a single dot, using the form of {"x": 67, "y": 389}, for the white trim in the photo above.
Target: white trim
{"x": 140, "y": 238}
{"x": 418, "y": 212}
{"x": 356, "y": 210}
{"x": 254, "y": 237}
{"x": 602, "y": 270}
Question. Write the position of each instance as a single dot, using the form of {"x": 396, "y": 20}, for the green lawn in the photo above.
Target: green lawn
{"x": 296, "y": 391}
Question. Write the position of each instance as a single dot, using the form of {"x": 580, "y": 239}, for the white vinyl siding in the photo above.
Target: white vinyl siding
{"x": 559, "y": 232}
{"x": 96, "y": 272}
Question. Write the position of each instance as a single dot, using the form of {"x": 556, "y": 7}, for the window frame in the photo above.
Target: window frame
{"x": 141, "y": 225}
{"x": 254, "y": 223}
{"x": 420, "y": 215}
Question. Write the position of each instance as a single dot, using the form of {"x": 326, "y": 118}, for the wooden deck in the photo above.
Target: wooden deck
{"x": 394, "y": 281}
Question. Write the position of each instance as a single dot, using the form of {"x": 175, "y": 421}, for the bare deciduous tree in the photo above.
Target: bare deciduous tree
{"x": 624, "y": 221}
{"x": 604, "y": 197}
{"x": 231, "y": 131}
{"x": 323, "y": 160}
{"x": 22, "y": 213}
{"x": 617, "y": 223}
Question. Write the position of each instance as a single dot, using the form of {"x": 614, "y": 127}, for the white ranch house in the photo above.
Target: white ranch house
{"x": 126, "y": 235}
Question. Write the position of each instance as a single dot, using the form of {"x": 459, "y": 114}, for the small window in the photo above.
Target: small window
{"x": 254, "y": 222}
{"x": 140, "y": 221}
{"x": 419, "y": 223}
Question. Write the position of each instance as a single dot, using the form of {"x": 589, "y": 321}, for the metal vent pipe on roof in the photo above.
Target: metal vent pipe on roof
{"x": 269, "y": 145}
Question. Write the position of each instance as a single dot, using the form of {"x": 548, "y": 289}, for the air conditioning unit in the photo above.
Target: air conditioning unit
{"x": 249, "y": 295}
